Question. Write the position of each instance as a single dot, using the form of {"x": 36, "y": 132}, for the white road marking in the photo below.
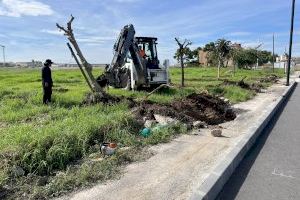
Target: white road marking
{"x": 276, "y": 173}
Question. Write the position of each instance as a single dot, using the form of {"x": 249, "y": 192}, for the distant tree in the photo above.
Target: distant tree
{"x": 210, "y": 47}
{"x": 212, "y": 56}
{"x": 187, "y": 54}
{"x": 182, "y": 52}
{"x": 264, "y": 57}
{"x": 195, "y": 53}
{"x": 223, "y": 48}
{"x": 247, "y": 58}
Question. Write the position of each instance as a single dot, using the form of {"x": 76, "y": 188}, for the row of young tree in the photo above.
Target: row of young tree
{"x": 222, "y": 50}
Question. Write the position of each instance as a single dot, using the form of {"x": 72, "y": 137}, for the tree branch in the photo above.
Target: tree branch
{"x": 184, "y": 44}
{"x": 62, "y": 29}
{"x": 179, "y": 44}
{"x": 187, "y": 43}
{"x": 69, "y": 24}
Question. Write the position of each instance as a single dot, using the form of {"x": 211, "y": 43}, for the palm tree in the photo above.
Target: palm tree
{"x": 223, "y": 49}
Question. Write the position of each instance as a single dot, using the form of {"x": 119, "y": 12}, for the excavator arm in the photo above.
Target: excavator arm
{"x": 121, "y": 47}
{"x": 116, "y": 74}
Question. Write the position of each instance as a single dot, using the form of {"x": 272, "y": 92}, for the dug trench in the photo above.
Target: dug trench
{"x": 195, "y": 107}
{"x": 202, "y": 107}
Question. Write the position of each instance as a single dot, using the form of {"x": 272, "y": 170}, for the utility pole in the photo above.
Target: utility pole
{"x": 285, "y": 59}
{"x": 273, "y": 54}
{"x": 256, "y": 48}
{"x": 291, "y": 44}
{"x": 3, "y": 48}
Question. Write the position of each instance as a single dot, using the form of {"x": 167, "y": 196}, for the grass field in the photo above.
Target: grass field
{"x": 54, "y": 142}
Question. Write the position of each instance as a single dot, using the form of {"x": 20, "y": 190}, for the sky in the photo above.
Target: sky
{"x": 27, "y": 27}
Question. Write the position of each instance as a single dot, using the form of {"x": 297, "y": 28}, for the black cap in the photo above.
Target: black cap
{"x": 48, "y": 62}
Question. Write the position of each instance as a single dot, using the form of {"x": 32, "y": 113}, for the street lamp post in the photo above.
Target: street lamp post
{"x": 273, "y": 59}
{"x": 256, "y": 48}
{"x": 3, "y": 50}
{"x": 291, "y": 44}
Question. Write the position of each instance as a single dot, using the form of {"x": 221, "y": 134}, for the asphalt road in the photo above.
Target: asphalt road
{"x": 271, "y": 169}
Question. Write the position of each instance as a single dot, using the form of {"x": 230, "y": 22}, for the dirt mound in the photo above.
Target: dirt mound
{"x": 91, "y": 99}
{"x": 240, "y": 83}
{"x": 195, "y": 107}
{"x": 272, "y": 78}
{"x": 254, "y": 86}
{"x": 257, "y": 86}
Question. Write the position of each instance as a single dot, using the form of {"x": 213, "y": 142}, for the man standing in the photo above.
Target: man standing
{"x": 47, "y": 81}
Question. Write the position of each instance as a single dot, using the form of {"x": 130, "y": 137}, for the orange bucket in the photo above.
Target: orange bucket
{"x": 112, "y": 145}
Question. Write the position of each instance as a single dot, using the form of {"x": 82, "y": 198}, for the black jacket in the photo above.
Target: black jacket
{"x": 46, "y": 76}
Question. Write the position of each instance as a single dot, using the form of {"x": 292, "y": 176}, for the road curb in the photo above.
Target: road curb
{"x": 215, "y": 181}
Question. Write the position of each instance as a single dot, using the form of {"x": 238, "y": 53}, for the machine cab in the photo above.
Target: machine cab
{"x": 148, "y": 50}
{"x": 156, "y": 74}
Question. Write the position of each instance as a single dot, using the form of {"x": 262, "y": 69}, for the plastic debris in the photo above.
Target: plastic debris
{"x": 108, "y": 148}
{"x": 145, "y": 132}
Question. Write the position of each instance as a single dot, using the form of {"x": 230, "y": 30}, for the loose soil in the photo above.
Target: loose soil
{"x": 257, "y": 86}
{"x": 272, "y": 78}
{"x": 91, "y": 99}
{"x": 194, "y": 107}
{"x": 254, "y": 86}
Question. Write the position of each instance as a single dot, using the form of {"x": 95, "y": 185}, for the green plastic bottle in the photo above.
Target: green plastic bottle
{"x": 145, "y": 132}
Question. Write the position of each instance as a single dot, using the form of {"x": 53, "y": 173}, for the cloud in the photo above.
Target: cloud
{"x": 18, "y": 8}
{"x": 52, "y": 32}
{"x": 95, "y": 39}
{"x": 2, "y": 35}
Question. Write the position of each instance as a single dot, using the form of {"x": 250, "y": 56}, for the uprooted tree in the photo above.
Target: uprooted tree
{"x": 83, "y": 64}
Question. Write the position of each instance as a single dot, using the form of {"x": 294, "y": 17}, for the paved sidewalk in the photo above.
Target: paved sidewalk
{"x": 271, "y": 170}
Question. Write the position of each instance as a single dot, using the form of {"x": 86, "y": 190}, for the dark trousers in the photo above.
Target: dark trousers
{"x": 47, "y": 95}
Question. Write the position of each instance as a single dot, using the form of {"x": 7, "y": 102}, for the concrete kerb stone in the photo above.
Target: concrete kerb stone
{"x": 221, "y": 174}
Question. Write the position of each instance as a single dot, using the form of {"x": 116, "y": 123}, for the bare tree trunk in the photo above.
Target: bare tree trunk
{"x": 219, "y": 65}
{"x": 87, "y": 66}
{"x": 80, "y": 67}
{"x": 182, "y": 46}
{"x": 182, "y": 71}
{"x": 234, "y": 69}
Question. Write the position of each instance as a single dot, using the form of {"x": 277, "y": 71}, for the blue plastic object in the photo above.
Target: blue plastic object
{"x": 145, "y": 132}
